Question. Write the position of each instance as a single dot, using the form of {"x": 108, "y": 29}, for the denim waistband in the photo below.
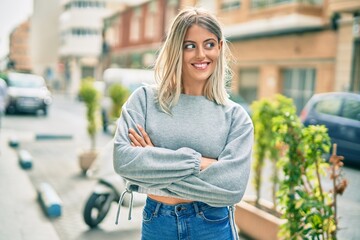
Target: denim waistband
{"x": 175, "y": 209}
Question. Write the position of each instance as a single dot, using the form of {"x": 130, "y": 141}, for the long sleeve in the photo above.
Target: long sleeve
{"x": 224, "y": 182}
{"x": 150, "y": 167}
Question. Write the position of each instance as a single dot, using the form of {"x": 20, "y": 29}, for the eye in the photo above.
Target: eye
{"x": 209, "y": 44}
{"x": 189, "y": 46}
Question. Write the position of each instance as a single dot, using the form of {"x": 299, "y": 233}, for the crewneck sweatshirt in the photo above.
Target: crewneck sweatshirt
{"x": 196, "y": 127}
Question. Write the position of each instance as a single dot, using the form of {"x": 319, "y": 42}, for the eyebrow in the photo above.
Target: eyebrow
{"x": 209, "y": 39}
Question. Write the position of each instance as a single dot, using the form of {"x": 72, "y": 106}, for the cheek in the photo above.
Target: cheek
{"x": 214, "y": 55}
{"x": 187, "y": 57}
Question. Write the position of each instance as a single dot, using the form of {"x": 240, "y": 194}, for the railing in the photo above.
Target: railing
{"x": 257, "y": 4}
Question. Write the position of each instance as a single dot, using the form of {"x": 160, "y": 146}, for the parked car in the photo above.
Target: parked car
{"x": 340, "y": 113}
{"x": 27, "y": 93}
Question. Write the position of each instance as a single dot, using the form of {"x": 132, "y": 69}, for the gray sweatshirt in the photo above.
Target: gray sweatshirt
{"x": 197, "y": 127}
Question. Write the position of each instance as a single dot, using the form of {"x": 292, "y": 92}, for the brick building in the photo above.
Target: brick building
{"x": 296, "y": 48}
{"x": 19, "y": 54}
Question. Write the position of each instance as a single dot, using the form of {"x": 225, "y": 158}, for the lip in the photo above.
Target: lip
{"x": 201, "y": 66}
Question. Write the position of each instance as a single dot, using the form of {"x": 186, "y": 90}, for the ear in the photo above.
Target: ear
{"x": 220, "y": 44}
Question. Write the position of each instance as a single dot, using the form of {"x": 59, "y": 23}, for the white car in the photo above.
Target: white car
{"x": 27, "y": 93}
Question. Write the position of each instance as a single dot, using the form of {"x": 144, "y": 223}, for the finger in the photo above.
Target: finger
{"x": 134, "y": 141}
{"x": 145, "y": 136}
{"x": 138, "y": 138}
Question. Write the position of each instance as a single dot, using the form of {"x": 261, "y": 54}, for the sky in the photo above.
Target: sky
{"x": 13, "y": 13}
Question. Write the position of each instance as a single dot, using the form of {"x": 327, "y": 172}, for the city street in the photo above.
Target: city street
{"x": 55, "y": 162}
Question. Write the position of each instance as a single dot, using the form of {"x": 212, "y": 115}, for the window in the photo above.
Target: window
{"x": 113, "y": 30}
{"x": 248, "y": 84}
{"x": 230, "y": 4}
{"x": 87, "y": 71}
{"x": 151, "y": 21}
{"x": 351, "y": 109}
{"x": 171, "y": 11}
{"x": 84, "y": 32}
{"x": 331, "y": 106}
{"x": 84, "y": 4}
{"x": 355, "y": 81}
{"x": 135, "y": 25}
{"x": 208, "y": 4}
{"x": 299, "y": 85}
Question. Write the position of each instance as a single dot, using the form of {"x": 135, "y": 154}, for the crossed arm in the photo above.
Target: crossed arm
{"x": 218, "y": 182}
{"x": 145, "y": 141}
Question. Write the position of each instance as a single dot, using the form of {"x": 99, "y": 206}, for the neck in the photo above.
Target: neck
{"x": 194, "y": 89}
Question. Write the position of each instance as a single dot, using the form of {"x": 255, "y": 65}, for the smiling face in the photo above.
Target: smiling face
{"x": 201, "y": 50}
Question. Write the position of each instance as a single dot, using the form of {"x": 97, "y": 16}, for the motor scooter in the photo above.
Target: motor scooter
{"x": 107, "y": 190}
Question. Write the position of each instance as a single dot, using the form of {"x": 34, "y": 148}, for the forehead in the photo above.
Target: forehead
{"x": 198, "y": 33}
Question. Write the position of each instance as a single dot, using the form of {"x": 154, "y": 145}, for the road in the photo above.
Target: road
{"x": 55, "y": 162}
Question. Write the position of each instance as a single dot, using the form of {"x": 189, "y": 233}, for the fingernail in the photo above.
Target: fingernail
{"x": 139, "y": 126}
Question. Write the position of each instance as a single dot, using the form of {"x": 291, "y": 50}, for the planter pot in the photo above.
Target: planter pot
{"x": 255, "y": 222}
{"x": 86, "y": 159}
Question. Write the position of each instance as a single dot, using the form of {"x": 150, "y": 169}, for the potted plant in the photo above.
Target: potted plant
{"x": 90, "y": 96}
{"x": 307, "y": 211}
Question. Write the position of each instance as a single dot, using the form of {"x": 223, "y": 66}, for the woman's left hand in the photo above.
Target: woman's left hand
{"x": 140, "y": 141}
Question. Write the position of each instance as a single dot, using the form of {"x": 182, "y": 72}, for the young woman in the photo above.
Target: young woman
{"x": 183, "y": 142}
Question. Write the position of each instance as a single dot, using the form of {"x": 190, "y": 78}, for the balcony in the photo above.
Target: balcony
{"x": 344, "y": 6}
{"x": 261, "y": 4}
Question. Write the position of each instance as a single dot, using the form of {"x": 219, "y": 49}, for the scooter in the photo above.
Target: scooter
{"x": 108, "y": 189}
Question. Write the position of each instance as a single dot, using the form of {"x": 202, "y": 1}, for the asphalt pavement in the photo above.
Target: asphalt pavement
{"x": 54, "y": 161}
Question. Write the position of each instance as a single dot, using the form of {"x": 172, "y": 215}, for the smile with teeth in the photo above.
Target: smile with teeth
{"x": 200, "y": 66}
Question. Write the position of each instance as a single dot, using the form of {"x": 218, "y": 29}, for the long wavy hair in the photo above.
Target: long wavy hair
{"x": 168, "y": 65}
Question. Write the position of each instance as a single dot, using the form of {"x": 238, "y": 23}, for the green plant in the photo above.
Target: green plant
{"x": 262, "y": 110}
{"x": 90, "y": 97}
{"x": 309, "y": 209}
{"x": 266, "y": 145}
{"x": 118, "y": 94}
{"x": 298, "y": 151}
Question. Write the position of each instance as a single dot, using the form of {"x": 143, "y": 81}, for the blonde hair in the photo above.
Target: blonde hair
{"x": 168, "y": 66}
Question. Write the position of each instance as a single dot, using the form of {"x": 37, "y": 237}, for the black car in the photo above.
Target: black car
{"x": 340, "y": 113}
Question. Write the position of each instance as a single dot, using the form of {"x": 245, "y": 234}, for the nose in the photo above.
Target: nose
{"x": 200, "y": 53}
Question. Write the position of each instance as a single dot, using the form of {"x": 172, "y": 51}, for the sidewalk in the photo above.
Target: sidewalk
{"x": 21, "y": 217}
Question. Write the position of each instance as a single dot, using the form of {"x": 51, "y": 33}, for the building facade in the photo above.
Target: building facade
{"x": 296, "y": 48}
{"x": 292, "y": 47}
{"x": 19, "y": 49}
{"x": 80, "y": 47}
{"x": 135, "y": 34}
{"x": 348, "y": 45}
{"x": 44, "y": 41}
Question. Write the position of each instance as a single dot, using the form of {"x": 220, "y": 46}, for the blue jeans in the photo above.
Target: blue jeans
{"x": 189, "y": 221}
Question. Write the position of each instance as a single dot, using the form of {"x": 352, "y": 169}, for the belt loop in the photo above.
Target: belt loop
{"x": 158, "y": 205}
{"x": 196, "y": 207}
